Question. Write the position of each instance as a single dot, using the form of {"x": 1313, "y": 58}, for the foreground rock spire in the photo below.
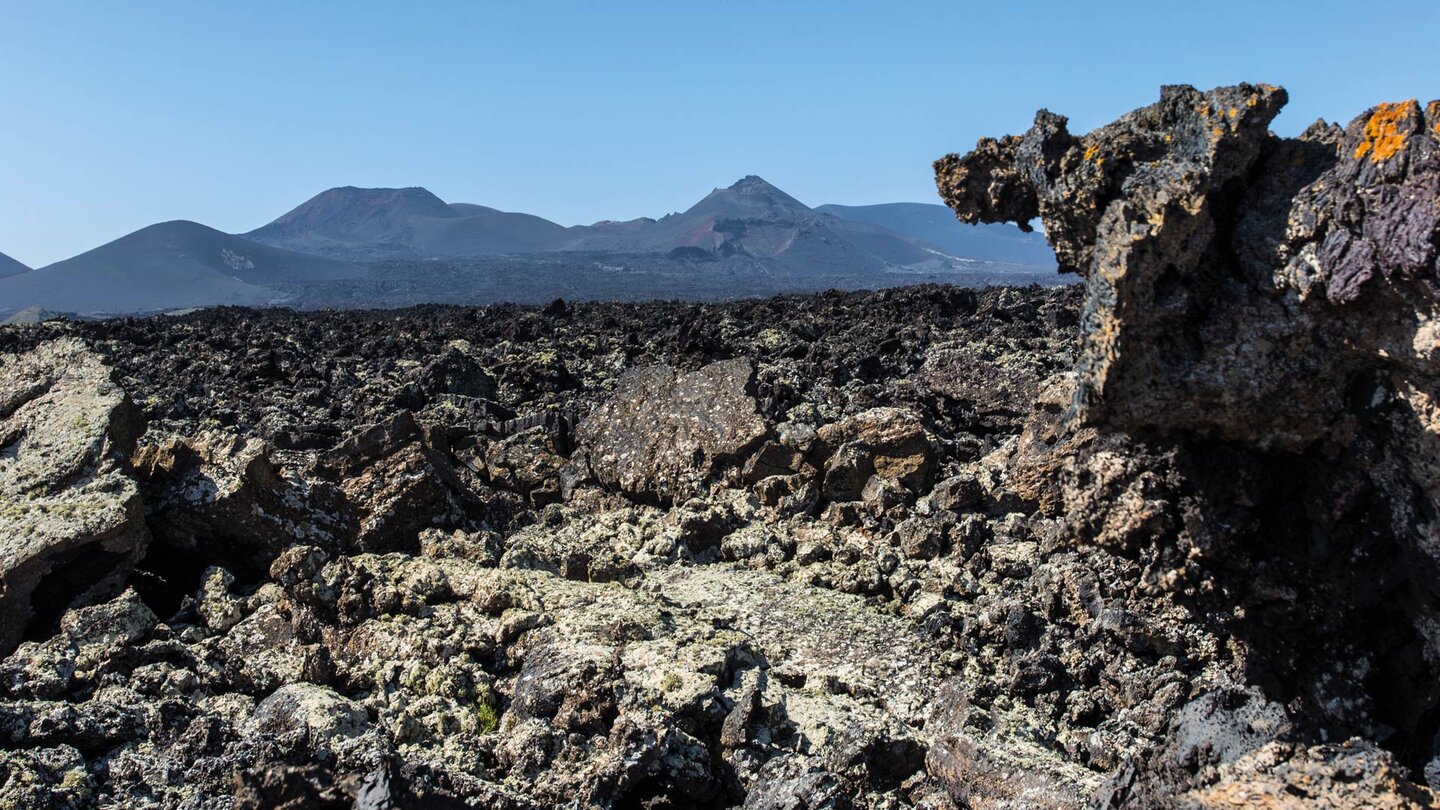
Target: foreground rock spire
{"x": 1263, "y": 314}
{"x": 1238, "y": 281}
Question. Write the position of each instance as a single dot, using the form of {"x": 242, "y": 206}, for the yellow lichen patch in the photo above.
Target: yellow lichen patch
{"x": 1091, "y": 151}
{"x": 1233, "y": 112}
{"x": 1383, "y": 137}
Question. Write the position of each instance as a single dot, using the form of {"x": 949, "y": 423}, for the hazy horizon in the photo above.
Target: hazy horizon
{"x": 120, "y": 117}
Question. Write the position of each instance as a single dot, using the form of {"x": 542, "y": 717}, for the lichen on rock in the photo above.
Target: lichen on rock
{"x": 70, "y": 515}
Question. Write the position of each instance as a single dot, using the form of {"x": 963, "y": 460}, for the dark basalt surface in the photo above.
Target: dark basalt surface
{"x": 300, "y": 471}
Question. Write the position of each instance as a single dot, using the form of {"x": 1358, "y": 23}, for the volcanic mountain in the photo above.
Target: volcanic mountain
{"x": 750, "y": 225}
{"x": 936, "y": 225}
{"x": 381, "y": 223}
{"x": 166, "y": 266}
{"x": 10, "y": 267}
{"x": 754, "y": 221}
{"x": 374, "y": 247}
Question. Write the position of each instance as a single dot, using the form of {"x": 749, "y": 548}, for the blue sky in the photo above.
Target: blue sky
{"x": 118, "y": 115}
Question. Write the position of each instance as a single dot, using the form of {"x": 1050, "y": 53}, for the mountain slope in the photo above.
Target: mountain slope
{"x": 481, "y": 231}
{"x": 166, "y": 266}
{"x": 354, "y": 221}
{"x": 753, "y": 220}
{"x": 936, "y": 225}
{"x": 10, "y": 267}
{"x": 403, "y": 223}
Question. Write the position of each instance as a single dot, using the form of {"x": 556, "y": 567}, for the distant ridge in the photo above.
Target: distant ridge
{"x": 754, "y": 221}
{"x": 749, "y": 225}
{"x": 936, "y": 225}
{"x": 166, "y": 266}
{"x": 356, "y": 247}
{"x": 10, "y": 267}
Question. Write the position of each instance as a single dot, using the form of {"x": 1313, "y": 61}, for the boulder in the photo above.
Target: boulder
{"x": 993, "y": 386}
{"x": 664, "y": 433}
{"x": 311, "y": 715}
{"x": 226, "y": 500}
{"x": 71, "y": 522}
{"x": 891, "y": 443}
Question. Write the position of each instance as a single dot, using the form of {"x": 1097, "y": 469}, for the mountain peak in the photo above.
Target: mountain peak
{"x": 751, "y": 196}
{"x": 349, "y": 203}
{"x": 339, "y": 218}
{"x": 753, "y": 184}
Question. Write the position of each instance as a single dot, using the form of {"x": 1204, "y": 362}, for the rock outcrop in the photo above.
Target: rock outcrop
{"x": 1253, "y": 405}
{"x": 1238, "y": 282}
{"x": 70, "y": 515}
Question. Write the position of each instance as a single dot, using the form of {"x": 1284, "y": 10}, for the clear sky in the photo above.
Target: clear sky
{"x": 115, "y": 115}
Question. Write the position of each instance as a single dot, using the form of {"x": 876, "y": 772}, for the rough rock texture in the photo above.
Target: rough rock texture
{"x": 1253, "y": 415}
{"x": 664, "y": 433}
{"x": 70, "y": 517}
{"x": 372, "y": 582}
{"x": 1238, "y": 282}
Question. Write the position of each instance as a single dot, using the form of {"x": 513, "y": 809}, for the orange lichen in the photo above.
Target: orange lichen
{"x": 1383, "y": 137}
{"x": 1091, "y": 151}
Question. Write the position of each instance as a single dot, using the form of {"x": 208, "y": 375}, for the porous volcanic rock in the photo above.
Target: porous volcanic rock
{"x": 70, "y": 516}
{"x": 1238, "y": 282}
{"x": 227, "y": 500}
{"x": 663, "y": 433}
{"x": 1253, "y": 413}
{"x": 347, "y": 529}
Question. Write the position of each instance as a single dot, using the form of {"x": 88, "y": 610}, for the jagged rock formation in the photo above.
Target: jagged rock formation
{"x": 1238, "y": 281}
{"x": 70, "y": 520}
{"x": 1261, "y": 315}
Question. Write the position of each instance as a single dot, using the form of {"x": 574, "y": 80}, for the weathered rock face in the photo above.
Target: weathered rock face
{"x": 227, "y": 501}
{"x": 1239, "y": 282}
{"x": 70, "y": 517}
{"x": 885, "y": 442}
{"x": 1253, "y": 408}
{"x": 664, "y": 433}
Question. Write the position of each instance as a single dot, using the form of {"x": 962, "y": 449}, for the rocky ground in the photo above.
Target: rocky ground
{"x": 1167, "y": 540}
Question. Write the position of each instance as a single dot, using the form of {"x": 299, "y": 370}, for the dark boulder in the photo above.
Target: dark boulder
{"x": 664, "y": 433}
